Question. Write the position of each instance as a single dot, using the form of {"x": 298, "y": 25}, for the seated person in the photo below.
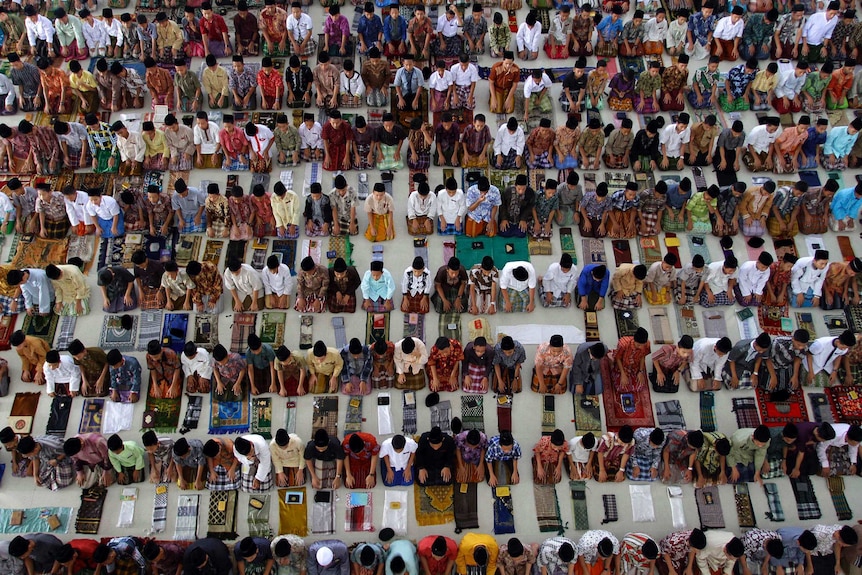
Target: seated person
{"x": 707, "y": 363}
{"x": 378, "y": 288}
{"x": 260, "y": 359}
{"x": 590, "y": 145}
{"x": 125, "y": 376}
{"x": 483, "y": 280}
{"x": 410, "y": 357}
{"x": 747, "y": 454}
{"x": 397, "y": 456}
{"x": 324, "y": 368}
{"x": 312, "y": 287}
{"x": 670, "y": 364}
{"x": 558, "y": 283}
{"x": 252, "y": 452}
{"x": 229, "y": 371}
{"x": 383, "y": 361}
{"x": 165, "y": 373}
{"x": 509, "y": 355}
{"x": 290, "y": 371}
{"x": 717, "y": 283}
{"x": 310, "y": 137}
{"x": 343, "y": 283}
{"x": 361, "y": 453}
{"x": 594, "y": 210}
{"x": 618, "y": 146}
{"x": 197, "y": 367}
{"x": 477, "y": 365}
{"x": 379, "y": 207}
{"x": 416, "y": 286}
{"x": 807, "y": 277}
{"x": 476, "y": 142}
{"x": 356, "y": 375}
{"x": 659, "y": 280}
{"x": 837, "y": 455}
{"x": 286, "y": 450}
{"x": 518, "y": 286}
{"x": 679, "y": 454}
{"x": 553, "y": 363}
{"x": 444, "y": 362}
{"x": 222, "y": 466}
{"x": 544, "y": 211}
{"x": 501, "y": 457}
{"x": 127, "y": 458}
{"x": 245, "y": 286}
{"x": 189, "y": 463}
{"x": 626, "y": 365}
{"x": 548, "y": 457}
{"x": 540, "y": 145}
{"x": 627, "y": 286}
{"x": 509, "y": 146}
{"x": 435, "y": 458}
{"x": 597, "y": 548}
{"x": 592, "y": 287}
{"x": 612, "y": 455}
{"x": 253, "y": 554}
{"x": 828, "y": 354}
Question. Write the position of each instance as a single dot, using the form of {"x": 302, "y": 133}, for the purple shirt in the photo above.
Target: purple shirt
{"x": 336, "y": 29}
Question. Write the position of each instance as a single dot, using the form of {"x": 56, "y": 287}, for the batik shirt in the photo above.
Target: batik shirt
{"x": 676, "y": 444}
{"x": 591, "y": 142}
{"x": 549, "y": 555}
{"x": 231, "y": 369}
{"x": 595, "y": 209}
{"x": 545, "y": 205}
{"x": 359, "y": 366}
{"x": 650, "y": 203}
{"x": 582, "y": 29}
{"x": 620, "y": 202}
{"x": 815, "y": 85}
{"x": 705, "y": 80}
{"x": 482, "y": 281}
{"x": 707, "y": 456}
{"x": 825, "y": 535}
{"x": 753, "y": 541}
{"x": 842, "y": 31}
{"x": 548, "y": 453}
{"x": 471, "y": 454}
{"x": 631, "y": 33}
{"x": 788, "y": 28}
{"x": 286, "y": 140}
{"x": 739, "y": 80}
{"x": 632, "y": 560}
{"x": 648, "y": 84}
{"x": 757, "y": 32}
{"x": 785, "y": 201}
{"x": 242, "y": 82}
{"x": 673, "y": 79}
{"x": 643, "y": 449}
{"x": 158, "y": 211}
{"x": 474, "y": 27}
{"x": 476, "y": 141}
{"x": 313, "y": 283}
{"x": 676, "y": 546}
{"x": 516, "y": 566}
{"x": 165, "y": 367}
{"x": 208, "y": 282}
{"x": 588, "y": 544}
{"x": 613, "y": 449}
{"x": 567, "y": 140}
{"x": 127, "y": 377}
{"x": 482, "y": 212}
{"x": 701, "y": 27}
{"x": 727, "y": 204}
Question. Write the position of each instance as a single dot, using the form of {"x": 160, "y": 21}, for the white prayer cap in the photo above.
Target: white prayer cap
{"x": 324, "y": 556}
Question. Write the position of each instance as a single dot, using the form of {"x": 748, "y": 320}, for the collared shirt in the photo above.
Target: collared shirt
{"x": 132, "y": 147}
{"x": 658, "y": 277}
{"x": 787, "y": 28}
{"x": 475, "y": 26}
{"x": 38, "y": 290}
{"x": 259, "y": 141}
{"x": 716, "y": 279}
{"x": 132, "y": 456}
{"x": 336, "y": 29}
{"x": 610, "y": 28}
{"x": 494, "y": 452}
{"x": 727, "y": 29}
{"x": 243, "y": 81}
{"x": 793, "y": 554}
{"x": 751, "y": 280}
{"x": 739, "y": 80}
{"x": 300, "y": 27}
{"x": 94, "y": 451}
{"x": 289, "y": 456}
{"x": 383, "y": 288}
{"x": 713, "y": 558}
{"x": 280, "y": 283}
{"x": 845, "y": 204}
{"x": 789, "y": 85}
{"x": 701, "y": 26}
{"x": 190, "y": 203}
{"x": 818, "y": 28}
{"x": 655, "y": 31}
{"x": 705, "y": 359}
{"x": 464, "y": 77}
{"x": 414, "y": 362}
{"x": 416, "y": 285}
{"x": 482, "y": 212}
{"x": 261, "y": 360}
{"x": 560, "y": 29}
{"x": 530, "y": 38}
{"x": 804, "y": 276}
{"x": 285, "y": 209}
{"x": 395, "y": 29}
{"x": 194, "y": 457}
{"x": 532, "y": 87}
{"x": 743, "y": 450}
{"x": 126, "y": 377}
{"x": 261, "y": 456}
{"x": 558, "y": 282}
{"x": 761, "y": 139}
{"x": 69, "y": 31}
{"x": 824, "y": 352}
{"x": 71, "y": 286}
{"x": 371, "y": 28}
{"x": 440, "y": 82}
{"x": 421, "y": 206}
{"x": 409, "y": 81}
{"x": 41, "y": 29}
{"x": 676, "y": 33}
{"x": 504, "y": 143}
{"x": 67, "y": 373}
{"x": 76, "y": 210}
{"x": 447, "y": 26}
{"x": 200, "y": 364}
{"x": 207, "y": 138}
{"x": 176, "y": 287}
{"x": 549, "y": 555}
{"x": 503, "y": 80}
{"x": 246, "y": 281}
{"x": 620, "y": 202}
{"x": 106, "y": 210}
{"x": 216, "y": 82}
{"x": 631, "y": 33}
{"x": 673, "y": 139}
{"x": 398, "y": 461}
{"x": 839, "y": 441}
{"x": 839, "y": 142}
{"x": 451, "y": 207}
{"x": 168, "y": 35}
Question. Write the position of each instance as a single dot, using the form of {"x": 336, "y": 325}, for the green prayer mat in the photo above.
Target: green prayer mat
{"x": 35, "y": 520}
{"x": 579, "y": 504}
{"x": 162, "y": 415}
{"x": 258, "y": 516}
{"x": 588, "y": 415}
{"x": 261, "y": 416}
{"x": 504, "y": 250}
{"x": 272, "y": 327}
{"x": 41, "y": 326}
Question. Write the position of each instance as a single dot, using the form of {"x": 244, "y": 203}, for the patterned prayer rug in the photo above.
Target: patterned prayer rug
{"x": 609, "y": 502}
{"x": 150, "y": 328}
{"x": 687, "y": 321}
{"x": 839, "y": 500}
{"x": 539, "y": 246}
{"x": 36, "y": 252}
{"x": 473, "y": 412}
{"x": 325, "y": 415}
{"x": 854, "y": 316}
{"x": 669, "y": 415}
{"x": 160, "y": 508}
{"x": 162, "y": 415}
{"x": 588, "y": 415}
{"x": 549, "y": 415}
{"x": 91, "y": 415}
{"x": 90, "y": 513}
{"x": 287, "y": 250}
{"x": 272, "y": 327}
{"x": 594, "y": 251}
{"x": 408, "y": 412}
{"x": 707, "y": 411}
{"x": 292, "y": 512}
{"x": 845, "y": 403}
{"x": 414, "y": 325}
{"x": 466, "y": 506}
{"x": 709, "y": 508}
{"x": 7, "y": 328}
{"x": 340, "y": 247}
{"x": 820, "y": 408}
{"x": 258, "y": 253}
{"x": 660, "y": 324}
{"x": 193, "y": 413}
{"x": 806, "y": 322}
{"x": 714, "y": 324}
{"x": 547, "y": 509}
{"x": 258, "y": 516}
{"x": 504, "y": 413}
{"x": 24, "y": 407}
{"x": 359, "y": 513}
{"x": 649, "y": 250}
{"x": 777, "y": 414}
{"x": 84, "y": 248}
{"x": 697, "y": 246}
{"x": 622, "y": 252}
{"x": 187, "y": 517}
{"x": 212, "y": 251}
{"x": 41, "y": 326}
{"x": 221, "y": 517}
{"x": 376, "y": 328}
{"x": 114, "y": 336}
{"x": 449, "y": 325}
{"x": 228, "y": 416}
{"x": 633, "y": 408}
{"x": 504, "y": 511}
{"x": 441, "y": 416}
{"x": 579, "y": 504}
{"x": 806, "y": 501}
{"x": 188, "y": 249}
{"x": 66, "y": 332}
{"x": 174, "y": 331}
{"x": 61, "y": 406}
{"x": 243, "y": 326}
{"x": 261, "y": 416}
{"x": 744, "y": 510}
{"x": 774, "y": 320}
{"x": 836, "y": 323}
{"x": 353, "y": 417}
{"x": 434, "y": 504}
{"x": 627, "y": 322}
{"x": 205, "y": 332}
{"x": 745, "y": 409}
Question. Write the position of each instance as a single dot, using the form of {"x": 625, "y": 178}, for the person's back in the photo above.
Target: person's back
{"x": 402, "y": 552}
{"x": 207, "y": 556}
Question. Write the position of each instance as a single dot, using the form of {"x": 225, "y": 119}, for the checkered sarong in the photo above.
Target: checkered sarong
{"x": 609, "y": 501}
{"x": 66, "y": 333}
{"x": 776, "y": 512}
{"x": 160, "y": 508}
{"x": 519, "y": 299}
{"x": 707, "y": 411}
{"x": 746, "y": 412}
{"x": 836, "y": 490}
{"x": 806, "y": 502}
{"x": 247, "y": 481}
{"x": 441, "y": 416}
{"x": 709, "y": 507}
{"x": 408, "y": 403}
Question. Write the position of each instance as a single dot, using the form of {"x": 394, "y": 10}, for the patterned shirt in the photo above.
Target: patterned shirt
{"x": 675, "y": 546}
{"x": 648, "y": 84}
{"x": 739, "y": 80}
{"x": 164, "y": 367}
{"x": 567, "y": 140}
{"x": 101, "y": 138}
{"x": 815, "y": 85}
{"x": 475, "y": 27}
{"x": 194, "y": 457}
{"x": 788, "y": 28}
{"x": 631, "y": 33}
{"x": 677, "y": 447}
{"x": 631, "y": 557}
{"x": 356, "y": 365}
{"x": 643, "y": 450}
{"x": 471, "y": 454}
{"x": 588, "y": 544}
{"x": 673, "y": 78}
{"x": 753, "y": 540}
{"x": 545, "y": 359}
{"x": 475, "y": 141}
{"x": 482, "y": 212}
{"x": 549, "y": 555}
{"x": 582, "y": 29}
{"x": 208, "y": 283}
{"x": 313, "y": 283}
{"x": 595, "y": 209}
{"x": 483, "y": 280}
{"x": 701, "y": 27}
{"x": 516, "y": 565}
{"x": 243, "y": 81}
{"x": 126, "y": 377}
{"x": 758, "y": 32}
{"x": 230, "y": 369}
{"x": 28, "y": 78}
{"x": 495, "y": 453}
{"x": 619, "y": 201}
{"x": 591, "y": 141}
{"x": 445, "y": 364}
{"x": 705, "y": 80}
{"x": 825, "y": 535}
{"x": 548, "y": 453}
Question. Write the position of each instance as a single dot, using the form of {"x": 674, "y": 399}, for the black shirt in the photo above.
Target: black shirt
{"x": 333, "y": 451}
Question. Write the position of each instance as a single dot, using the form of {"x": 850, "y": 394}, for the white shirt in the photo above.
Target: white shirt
{"x": 261, "y": 456}
{"x": 464, "y": 77}
{"x": 439, "y": 82}
{"x": 67, "y": 373}
{"x": 804, "y": 276}
{"x": 451, "y": 207}
{"x": 201, "y": 364}
{"x": 818, "y": 28}
{"x": 760, "y": 139}
{"x": 132, "y": 147}
{"x": 398, "y": 461}
{"x": 507, "y": 280}
{"x": 353, "y": 86}
{"x": 41, "y": 29}
{"x": 7, "y": 88}
{"x": 715, "y": 277}
{"x": 259, "y": 141}
{"x": 506, "y": 141}
{"x": 705, "y": 359}
{"x": 529, "y": 38}
{"x": 76, "y": 139}
{"x": 246, "y": 282}
{"x": 279, "y": 283}
{"x": 839, "y": 441}
{"x": 447, "y": 27}
{"x": 727, "y": 30}
{"x": 418, "y": 206}
{"x": 301, "y": 27}
{"x": 823, "y": 355}
{"x": 414, "y": 285}
{"x": 115, "y": 30}
{"x": 533, "y": 87}
{"x": 311, "y": 138}
{"x": 789, "y": 85}
{"x": 655, "y": 31}
{"x": 578, "y": 452}
{"x": 106, "y": 210}
{"x": 77, "y": 211}
{"x": 206, "y": 139}
{"x": 752, "y": 280}
{"x": 674, "y": 140}
{"x": 558, "y": 282}
{"x": 95, "y": 34}
{"x": 7, "y": 209}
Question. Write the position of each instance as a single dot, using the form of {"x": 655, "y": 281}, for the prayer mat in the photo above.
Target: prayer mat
{"x": 709, "y": 507}
{"x": 228, "y": 416}
{"x": 34, "y": 520}
{"x": 290, "y": 415}
{"x": 359, "y": 513}
{"x": 707, "y": 411}
{"x": 579, "y": 505}
{"x": 128, "y": 499}
{"x": 846, "y": 248}
{"x": 395, "y": 511}
{"x": 117, "y": 417}
{"x": 115, "y": 336}
{"x": 43, "y": 327}
{"x": 622, "y": 252}
{"x": 747, "y": 324}
{"x": 854, "y": 316}
{"x": 677, "y": 512}
{"x": 292, "y": 512}
{"x": 434, "y": 504}
{"x": 448, "y": 251}
{"x": 13, "y": 247}
{"x": 627, "y": 322}
{"x": 325, "y": 414}
{"x": 591, "y": 326}
{"x": 744, "y": 510}
{"x": 287, "y": 250}
{"x": 687, "y": 321}
{"x": 258, "y": 516}
{"x": 340, "y": 334}
{"x": 221, "y": 517}
{"x": 149, "y": 328}
{"x": 61, "y": 406}
{"x": 311, "y": 248}
{"x": 244, "y": 324}
{"x": 660, "y": 324}
{"x": 261, "y": 416}
{"x": 193, "y": 413}
{"x": 773, "y": 500}
{"x": 567, "y": 244}
{"x": 84, "y": 248}
{"x": 504, "y": 512}
{"x": 697, "y": 246}
{"x": 272, "y": 327}
{"x": 466, "y": 506}
{"x": 746, "y": 412}
{"x": 549, "y": 416}
{"x": 845, "y": 404}
{"x": 504, "y": 250}
{"x": 806, "y": 501}
{"x": 594, "y": 251}
{"x": 774, "y": 320}
{"x": 408, "y": 408}
{"x": 548, "y": 509}
{"x": 162, "y": 415}
{"x": 806, "y": 322}
{"x": 649, "y": 250}
{"x": 188, "y": 249}
{"x": 836, "y": 490}
{"x": 174, "y": 331}
{"x": 353, "y": 417}
{"x": 235, "y": 250}
{"x": 258, "y": 253}
{"x": 376, "y": 328}
{"x": 160, "y": 508}
{"x": 377, "y": 252}
{"x": 7, "y": 328}
{"x": 449, "y": 325}
{"x": 473, "y": 412}
{"x": 414, "y": 325}
{"x": 66, "y": 333}
{"x": 777, "y": 414}
{"x": 91, "y": 415}
{"x": 671, "y": 242}
{"x": 609, "y": 502}
{"x": 187, "y": 517}
{"x": 90, "y": 513}
{"x": 441, "y": 416}
{"x": 205, "y": 332}
{"x": 539, "y": 246}
{"x": 112, "y": 252}
{"x": 820, "y": 408}
{"x": 633, "y": 408}
{"x": 306, "y": 331}
{"x": 23, "y": 410}
{"x": 714, "y": 324}
{"x": 505, "y": 178}
{"x": 340, "y": 247}
{"x": 669, "y": 415}
{"x": 212, "y": 251}
{"x": 504, "y": 413}
{"x": 588, "y": 415}
{"x": 835, "y": 323}
{"x": 36, "y": 252}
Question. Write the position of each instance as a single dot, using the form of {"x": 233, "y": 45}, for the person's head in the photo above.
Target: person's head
{"x": 762, "y": 342}
{"x": 599, "y": 272}
{"x": 697, "y": 539}
{"x": 682, "y": 62}
{"x": 723, "y": 346}
{"x": 761, "y": 435}
{"x": 566, "y": 552}
{"x": 734, "y": 548}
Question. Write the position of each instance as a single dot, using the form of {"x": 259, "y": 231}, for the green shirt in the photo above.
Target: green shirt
{"x": 131, "y": 456}
{"x": 286, "y": 140}
{"x": 743, "y": 449}
{"x": 648, "y": 84}
{"x": 260, "y": 360}
{"x": 757, "y": 32}
{"x": 815, "y": 85}
{"x": 188, "y": 85}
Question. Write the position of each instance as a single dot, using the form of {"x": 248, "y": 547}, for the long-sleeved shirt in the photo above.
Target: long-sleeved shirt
{"x": 705, "y": 359}
{"x": 359, "y": 366}
{"x": 839, "y": 142}
{"x": 507, "y": 278}
{"x": 819, "y": 27}
{"x": 587, "y": 285}
{"x": 281, "y": 282}
{"x": 743, "y": 450}
{"x": 413, "y": 362}
{"x": 415, "y": 285}
{"x": 261, "y": 456}
{"x": 285, "y": 209}
{"x": 126, "y": 377}
{"x": 70, "y": 31}
{"x": 289, "y": 456}
{"x": 38, "y": 290}
{"x": 716, "y": 279}
{"x": 751, "y": 280}
{"x": 840, "y": 440}
{"x": 789, "y": 85}
{"x": 727, "y": 29}
{"x": 845, "y": 204}
{"x": 329, "y": 365}
{"x": 95, "y": 33}
{"x": 804, "y": 276}
{"x": 41, "y": 29}
{"x": 340, "y": 558}
{"x": 713, "y": 558}
{"x": 32, "y": 353}
{"x": 201, "y": 364}
{"x": 558, "y": 282}
{"x": 247, "y": 281}
{"x": 383, "y": 288}
{"x": 132, "y": 456}
{"x": 67, "y": 372}
{"x": 131, "y": 147}
{"x": 529, "y": 38}
{"x": 94, "y": 451}
{"x": 507, "y": 141}
{"x": 465, "y": 564}
{"x": 824, "y": 352}
{"x": 432, "y": 459}
{"x": 421, "y": 206}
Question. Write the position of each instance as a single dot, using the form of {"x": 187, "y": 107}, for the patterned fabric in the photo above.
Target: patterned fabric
{"x": 806, "y": 502}
{"x": 776, "y": 512}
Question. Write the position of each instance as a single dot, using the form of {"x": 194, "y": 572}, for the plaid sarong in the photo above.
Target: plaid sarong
{"x": 66, "y": 332}
{"x": 776, "y": 512}
{"x": 223, "y": 481}
{"x": 359, "y": 512}
{"x": 548, "y": 509}
{"x": 150, "y": 328}
{"x": 579, "y": 504}
{"x": 709, "y": 507}
{"x": 243, "y": 325}
{"x": 820, "y": 408}
{"x": 160, "y": 508}
{"x": 746, "y": 412}
{"x": 449, "y": 325}
{"x": 472, "y": 412}
{"x": 519, "y": 299}
{"x": 325, "y": 415}
{"x": 806, "y": 502}
{"x": 670, "y": 415}
{"x": 609, "y": 502}
{"x": 187, "y": 518}
{"x": 836, "y": 490}
{"x": 323, "y": 513}
{"x": 707, "y": 411}
{"x": 441, "y": 416}
{"x": 408, "y": 403}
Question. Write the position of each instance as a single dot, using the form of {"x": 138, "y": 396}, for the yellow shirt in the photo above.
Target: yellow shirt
{"x": 762, "y": 83}
{"x": 71, "y": 286}
{"x": 85, "y": 82}
{"x": 285, "y": 209}
{"x": 468, "y": 545}
{"x": 215, "y": 82}
{"x": 157, "y": 145}
{"x": 168, "y": 36}
{"x": 331, "y": 365}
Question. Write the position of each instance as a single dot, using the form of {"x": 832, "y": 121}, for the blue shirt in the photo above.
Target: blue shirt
{"x": 701, "y": 27}
{"x": 609, "y": 28}
{"x": 839, "y": 142}
{"x": 409, "y": 82}
{"x": 588, "y": 285}
{"x": 38, "y": 291}
{"x": 127, "y": 377}
{"x": 495, "y": 453}
{"x": 373, "y": 289}
{"x": 673, "y": 198}
{"x": 407, "y": 551}
{"x": 809, "y": 147}
{"x": 387, "y": 29}
{"x": 793, "y": 554}
{"x": 370, "y": 29}
{"x": 845, "y": 204}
